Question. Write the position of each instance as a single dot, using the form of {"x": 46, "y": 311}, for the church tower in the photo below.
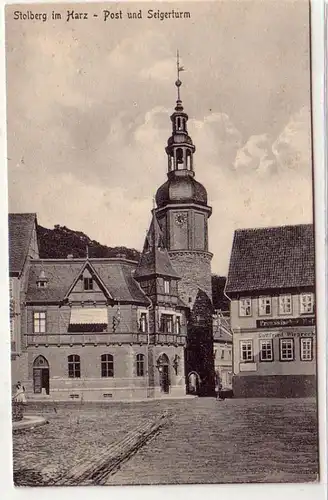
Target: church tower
{"x": 182, "y": 213}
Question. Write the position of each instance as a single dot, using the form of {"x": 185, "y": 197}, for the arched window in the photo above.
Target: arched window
{"x": 40, "y": 362}
{"x": 107, "y": 365}
{"x": 140, "y": 365}
{"x": 74, "y": 366}
{"x": 179, "y": 155}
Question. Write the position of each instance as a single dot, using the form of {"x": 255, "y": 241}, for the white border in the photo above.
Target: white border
{"x": 252, "y": 492}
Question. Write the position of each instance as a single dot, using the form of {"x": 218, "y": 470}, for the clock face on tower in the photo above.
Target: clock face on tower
{"x": 181, "y": 218}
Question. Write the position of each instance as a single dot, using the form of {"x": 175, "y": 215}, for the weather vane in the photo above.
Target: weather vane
{"x": 180, "y": 68}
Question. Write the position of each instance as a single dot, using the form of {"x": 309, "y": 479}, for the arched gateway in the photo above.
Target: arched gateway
{"x": 41, "y": 374}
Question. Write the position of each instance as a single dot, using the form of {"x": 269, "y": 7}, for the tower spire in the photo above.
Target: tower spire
{"x": 178, "y": 82}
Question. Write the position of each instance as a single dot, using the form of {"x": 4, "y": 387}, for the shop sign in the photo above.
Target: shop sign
{"x": 277, "y": 323}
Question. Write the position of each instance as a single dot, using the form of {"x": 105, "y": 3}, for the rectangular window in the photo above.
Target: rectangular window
{"x": 246, "y": 350}
{"x": 307, "y": 303}
{"x": 264, "y": 306}
{"x": 143, "y": 323}
{"x": 107, "y": 365}
{"x": 140, "y": 365}
{"x": 285, "y": 304}
{"x": 245, "y": 307}
{"x": 266, "y": 350}
{"x": 222, "y": 354}
{"x": 167, "y": 287}
{"x": 178, "y": 325}
{"x": 74, "y": 366}
{"x": 286, "y": 349}
{"x": 167, "y": 323}
{"x": 88, "y": 284}
{"x": 306, "y": 349}
{"x": 39, "y": 322}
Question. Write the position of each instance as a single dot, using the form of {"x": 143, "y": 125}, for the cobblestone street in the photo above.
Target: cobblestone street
{"x": 206, "y": 441}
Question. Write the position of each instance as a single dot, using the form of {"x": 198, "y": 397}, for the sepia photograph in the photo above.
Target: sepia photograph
{"x": 162, "y": 280}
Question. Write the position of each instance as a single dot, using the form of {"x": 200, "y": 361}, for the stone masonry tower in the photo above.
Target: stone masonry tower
{"x": 182, "y": 212}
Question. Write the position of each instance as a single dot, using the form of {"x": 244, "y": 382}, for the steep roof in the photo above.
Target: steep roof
{"x": 272, "y": 258}
{"x": 20, "y": 233}
{"x": 116, "y": 274}
{"x": 154, "y": 260}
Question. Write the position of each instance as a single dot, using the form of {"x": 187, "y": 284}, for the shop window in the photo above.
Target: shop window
{"x": 39, "y": 322}
{"x": 307, "y": 303}
{"x": 107, "y": 365}
{"x": 306, "y": 349}
{"x": 140, "y": 365}
{"x": 266, "y": 350}
{"x": 286, "y": 349}
{"x": 285, "y": 304}
{"x": 74, "y": 366}
{"x": 245, "y": 307}
{"x": 264, "y": 306}
{"x": 246, "y": 350}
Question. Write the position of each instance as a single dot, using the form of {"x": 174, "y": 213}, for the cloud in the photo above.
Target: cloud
{"x": 293, "y": 146}
{"x": 256, "y": 155}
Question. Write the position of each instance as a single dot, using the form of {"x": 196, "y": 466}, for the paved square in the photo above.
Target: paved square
{"x": 206, "y": 441}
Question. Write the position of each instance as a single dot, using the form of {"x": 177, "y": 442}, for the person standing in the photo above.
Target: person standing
{"x": 20, "y": 396}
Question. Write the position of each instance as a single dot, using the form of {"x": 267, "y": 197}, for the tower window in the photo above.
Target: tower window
{"x": 167, "y": 323}
{"x": 143, "y": 324}
{"x": 167, "y": 287}
{"x": 179, "y": 155}
{"x": 88, "y": 283}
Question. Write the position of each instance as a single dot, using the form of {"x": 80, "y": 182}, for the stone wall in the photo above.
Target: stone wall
{"x": 194, "y": 268}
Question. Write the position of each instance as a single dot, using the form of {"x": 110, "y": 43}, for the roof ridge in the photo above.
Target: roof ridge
{"x": 259, "y": 228}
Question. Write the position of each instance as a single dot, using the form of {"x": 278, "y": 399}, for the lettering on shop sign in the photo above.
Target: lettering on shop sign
{"x": 274, "y": 323}
{"x": 270, "y": 335}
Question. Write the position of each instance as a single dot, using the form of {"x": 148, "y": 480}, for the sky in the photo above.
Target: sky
{"x": 89, "y": 104}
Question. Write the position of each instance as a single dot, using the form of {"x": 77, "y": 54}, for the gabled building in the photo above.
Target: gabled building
{"x": 271, "y": 285}
{"x": 23, "y": 247}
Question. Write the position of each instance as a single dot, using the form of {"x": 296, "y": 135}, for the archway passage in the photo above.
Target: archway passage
{"x": 41, "y": 375}
{"x": 193, "y": 383}
{"x": 164, "y": 373}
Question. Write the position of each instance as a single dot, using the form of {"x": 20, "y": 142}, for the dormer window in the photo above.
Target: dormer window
{"x": 42, "y": 284}
{"x": 88, "y": 284}
{"x": 42, "y": 280}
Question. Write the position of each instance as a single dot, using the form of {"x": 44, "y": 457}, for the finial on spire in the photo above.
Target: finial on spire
{"x": 178, "y": 82}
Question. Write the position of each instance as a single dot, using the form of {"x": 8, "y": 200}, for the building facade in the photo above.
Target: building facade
{"x": 99, "y": 329}
{"x": 271, "y": 285}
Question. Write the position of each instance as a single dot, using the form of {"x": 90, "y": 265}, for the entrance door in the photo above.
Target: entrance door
{"x": 165, "y": 382}
{"x": 41, "y": 375}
